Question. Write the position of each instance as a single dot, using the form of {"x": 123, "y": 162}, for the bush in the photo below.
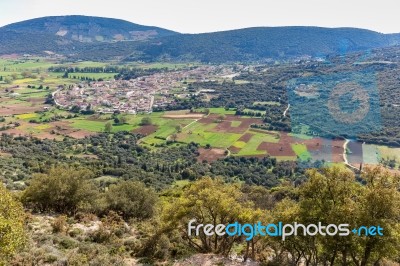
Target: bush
{"x": 12, "y": 234}
{"x": 59, "y": 224}
{"x": 146, "y": 121}
{"x": 131, "y": 199}
{"x": 62, "y": 190}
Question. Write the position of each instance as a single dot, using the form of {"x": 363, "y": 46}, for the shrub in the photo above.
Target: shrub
{"x": 131, "y": 199}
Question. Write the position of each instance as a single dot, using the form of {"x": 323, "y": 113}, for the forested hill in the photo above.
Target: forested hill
{"x": 261, "y": 43}
{"x": 95, "y": 38}
{"x": 88, "y": 29}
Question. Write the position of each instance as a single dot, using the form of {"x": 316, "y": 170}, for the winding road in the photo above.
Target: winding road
{"x": 346, "y": 162}
{"x": 287, "y": 109}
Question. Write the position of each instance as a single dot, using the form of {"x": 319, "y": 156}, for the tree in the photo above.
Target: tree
{"x": 146, "y": 121}
{"x": 332, "y": 196}
{"x": 108, "y": 127}
{"x": 178, "y": 128}
{"x": 209, "y": 201}
{"x": 8, "y": 80}
{"x": 61, "y": 189}
{"x": 131, "y": 199}
{"x": 174, "y": 137}
{"x": 221, "y": 117}
{"x": 12, "y": 234}
{"x": 123, "y": 120}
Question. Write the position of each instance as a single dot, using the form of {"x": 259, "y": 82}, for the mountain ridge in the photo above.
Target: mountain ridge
{"x": 84, "y": 37}
{"x": 88, "y": 28}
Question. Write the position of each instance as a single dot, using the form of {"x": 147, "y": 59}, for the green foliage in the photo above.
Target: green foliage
{"x": 206, "y": 201}
{"x": 61, "y": 189}
{"x": 12, "y": 233}
{"x": 332, "y": 196}
{"x": 108, "y": 127}
{"x": 131, "y": 199}
{"x": 146, "y": 121}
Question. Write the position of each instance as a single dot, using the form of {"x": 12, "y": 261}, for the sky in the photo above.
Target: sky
{"x": 189, "y": 16}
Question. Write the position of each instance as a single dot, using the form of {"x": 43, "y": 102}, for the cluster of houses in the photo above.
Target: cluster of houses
{"x": 133, "y": 96}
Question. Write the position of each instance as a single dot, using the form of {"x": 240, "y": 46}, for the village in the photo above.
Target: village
{"x": 138, "y": 95}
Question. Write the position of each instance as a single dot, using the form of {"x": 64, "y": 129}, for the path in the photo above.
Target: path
{"x": 188, "y": 125}
{"x": 346, "y": 162}
{"x": 287, "y": 109}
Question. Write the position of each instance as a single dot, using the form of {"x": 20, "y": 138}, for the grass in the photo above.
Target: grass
{"x": 251, "y": 147}
{"x": 236, "y": 123}
{"x": 27, "y": 116}
{"x": 203, "y": 134}
{"x": 388, "y": 152}
{"x": 219, "y": 111}
{"x": 371, "y": 154}
{"x": 216, "y": 140}
{"x": 93, "y": 126}
{"x": 43, "y": 127}
{"x": 240, "y": 144}
{"x": 301, "y": 151}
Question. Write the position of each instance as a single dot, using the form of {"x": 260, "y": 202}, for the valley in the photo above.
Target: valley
{"x": 40, "y": 102}
{"x": 115, "y": 136}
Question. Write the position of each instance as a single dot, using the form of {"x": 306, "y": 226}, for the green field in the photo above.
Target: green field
{"x": 91, "y": 75}
{"x": 27, "y": 116}
{"x": 388, "y": 152}
{"x": 301, "y": 151}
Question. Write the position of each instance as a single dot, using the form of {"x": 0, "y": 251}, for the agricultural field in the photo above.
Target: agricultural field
{"x": 217, "y": 130}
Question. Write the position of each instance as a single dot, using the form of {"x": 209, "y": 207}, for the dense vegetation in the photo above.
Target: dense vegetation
{"x": 87, "y": 29}
{"x": 330, "y": 195}
{"x": 120, "y": 156}
{"x": 89, "y": 38}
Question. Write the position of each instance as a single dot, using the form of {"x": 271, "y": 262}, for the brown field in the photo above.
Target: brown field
{"x": 210, "y": 155}
{"x": 225, "y": 125}
{"x": 234, "y": 149}
{"x": 282, "y": 148}
{"x": 80, "y": 134}
{"x": 64, "y": 128}
{"x": 17, "y": 109}
{"x": 36, "y": 100}
{"x": 264, "y": 131}
{"x": 246, "y": 137}
{"x": 10, "y": 56}
{"x": 146, "y": 130}
{"x": 325, "y": 149}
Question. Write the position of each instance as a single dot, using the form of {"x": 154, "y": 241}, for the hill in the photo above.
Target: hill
{"x": 88, "y": 29}
{"x": 260, "y": 43}
{"x": 94, "y": 38}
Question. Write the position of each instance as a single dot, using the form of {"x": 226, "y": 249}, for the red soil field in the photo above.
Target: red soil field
{"x": 234, "y": 149}
{"x": 18, "y": 109}
{"x": 246, "y": 137}
{"x": 210, "y": 155}
{"x": 282, "y": 148}
{"x": 225, "y": 125}
{"x": 145, "y": 130}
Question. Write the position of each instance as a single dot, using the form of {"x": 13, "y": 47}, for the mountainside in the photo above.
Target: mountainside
{"x": 93, "y": 38}
{"x": 88, "y": 29}
{"x": 260, "y": 43}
